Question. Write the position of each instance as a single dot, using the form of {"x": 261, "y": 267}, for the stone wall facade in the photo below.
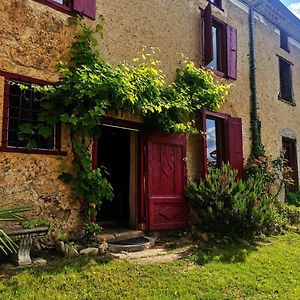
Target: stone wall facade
{"x": 35, "y": 37}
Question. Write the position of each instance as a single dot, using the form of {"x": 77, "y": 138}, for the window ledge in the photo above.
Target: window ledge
{"x": 34, "y": 151}
{"x": 285, "y": 49}
{"x": 292, "y": 102}
{"x": 216, "y": 72}
{"x": 57, "y": 6}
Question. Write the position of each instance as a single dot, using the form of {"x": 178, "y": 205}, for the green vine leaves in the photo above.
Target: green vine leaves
{"x": 89, "y": 87}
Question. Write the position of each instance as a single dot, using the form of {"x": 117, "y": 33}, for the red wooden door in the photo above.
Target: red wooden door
{"x": 166, "y": 179}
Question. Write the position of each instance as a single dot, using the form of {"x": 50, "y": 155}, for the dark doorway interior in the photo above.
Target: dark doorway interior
{"x": 290, "y": 154}
{"x": 114, "y": 155}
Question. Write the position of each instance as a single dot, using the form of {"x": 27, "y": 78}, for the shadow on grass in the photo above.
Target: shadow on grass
{"x": 204, "y": 253}
{"x": 201, "y": 252}
{"x": 57, "y": 265}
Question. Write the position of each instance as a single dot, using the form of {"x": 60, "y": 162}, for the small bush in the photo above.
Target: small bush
{"x": 91, "y": 228}
{"x": 293, "y": 198}
{"x": 290, "y": 212}
{"x": 273, "y": 170}
{"x": 222, "y": 204}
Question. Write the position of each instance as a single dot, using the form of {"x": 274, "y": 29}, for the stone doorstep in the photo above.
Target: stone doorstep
{"x": 119, "y": 234}
{"x": 115, "y": 247}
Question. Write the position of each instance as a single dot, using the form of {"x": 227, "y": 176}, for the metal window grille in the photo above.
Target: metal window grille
{"x": 23, "y": 106}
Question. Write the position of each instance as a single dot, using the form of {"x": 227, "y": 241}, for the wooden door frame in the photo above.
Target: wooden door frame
{"x": 295, "y": 168}
{"x": 218, "y": 117}
{"x": 130, "y": 125}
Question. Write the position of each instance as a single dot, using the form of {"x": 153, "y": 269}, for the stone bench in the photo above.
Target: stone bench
{"x": 24, "y": 237}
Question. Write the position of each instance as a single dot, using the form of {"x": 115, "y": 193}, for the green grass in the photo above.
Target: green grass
{"x": 209, "y": 272}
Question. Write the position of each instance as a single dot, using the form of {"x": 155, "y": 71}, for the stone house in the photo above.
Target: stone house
{"x": 149, "y": 173}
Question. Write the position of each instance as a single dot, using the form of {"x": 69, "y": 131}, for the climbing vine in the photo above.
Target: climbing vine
{"x": 89, "y": 87}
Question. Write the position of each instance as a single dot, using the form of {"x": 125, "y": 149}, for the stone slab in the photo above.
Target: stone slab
{"x": 159, "y": 259}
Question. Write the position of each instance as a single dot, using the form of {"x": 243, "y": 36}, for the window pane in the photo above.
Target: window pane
{"x": 24, "y": 107}
{"x": 59, "y": 1}
{"x": 211, "y": 142}
{"x": 217, "y": 2}
{"x": 285, "y": 80}
{"x": 284, "y": 44}
{"x": 214, "y": 63}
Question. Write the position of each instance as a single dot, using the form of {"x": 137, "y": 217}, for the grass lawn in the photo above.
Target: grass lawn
{"x": 209, "y": 272}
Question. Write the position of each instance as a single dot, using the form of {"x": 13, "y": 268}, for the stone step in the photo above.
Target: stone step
{"x": 119, "y": 234}
{"x": 131, "y": 245}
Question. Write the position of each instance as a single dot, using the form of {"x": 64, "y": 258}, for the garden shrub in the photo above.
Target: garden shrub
{"x": 274, "y": 172}
{"x": 289, "y": 212}
{"x": 222, "y": 204}
{"x": 293, "y": 198}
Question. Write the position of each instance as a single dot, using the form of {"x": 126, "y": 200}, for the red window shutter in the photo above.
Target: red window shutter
{"x": 208, "y": 40}
{"x": 86, "y": 7}
{"x": 231, "y": 52}
{"x": 235, "y": 141}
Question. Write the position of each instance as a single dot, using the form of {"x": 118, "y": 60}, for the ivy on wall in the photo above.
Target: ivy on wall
{"x": 89, "y": 87}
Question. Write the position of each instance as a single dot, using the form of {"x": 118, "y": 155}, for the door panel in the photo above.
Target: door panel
{"x": 166, "y": 179}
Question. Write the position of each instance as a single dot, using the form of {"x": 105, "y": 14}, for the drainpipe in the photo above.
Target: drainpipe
{"x": 257, "y": 147}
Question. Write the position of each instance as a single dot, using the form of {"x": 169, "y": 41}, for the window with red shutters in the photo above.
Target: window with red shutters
{"x": 219, "y": 45}
{"x": 222, "y": 141}
{"x": 83, "y": 7}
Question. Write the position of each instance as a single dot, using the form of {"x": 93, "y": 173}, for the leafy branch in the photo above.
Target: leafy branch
{"x": 89, "y": 87}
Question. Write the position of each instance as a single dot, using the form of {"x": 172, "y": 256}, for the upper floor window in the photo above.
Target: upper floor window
{"x": 284, "y": 43}
{"x": 22, "y": 106}
{"x": 83, "y": 7}
{"x": 218, "y": 61}
{"x": 219, "y": 45}
{"x": 217, "y": 3}
{"x": 285, "y": 76}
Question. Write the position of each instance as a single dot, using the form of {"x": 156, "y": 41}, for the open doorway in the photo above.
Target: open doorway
{"x": 117, "y": 153}
{"x": 290, "y": 154}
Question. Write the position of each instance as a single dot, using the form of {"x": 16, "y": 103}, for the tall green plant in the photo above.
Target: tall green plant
{"x": 222, "y": 204}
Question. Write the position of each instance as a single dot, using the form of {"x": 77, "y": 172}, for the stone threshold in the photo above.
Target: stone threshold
{"x": 119, "y": 234}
